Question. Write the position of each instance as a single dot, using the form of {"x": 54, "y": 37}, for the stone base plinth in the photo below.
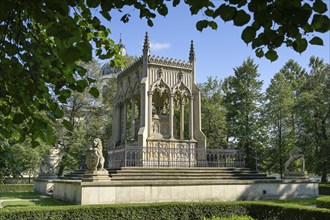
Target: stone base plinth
{"x": 44, "y": 186}
{"x": 96, "y": 176}
{"x": 125, "y": 192}
{"x": 295, "y": 175}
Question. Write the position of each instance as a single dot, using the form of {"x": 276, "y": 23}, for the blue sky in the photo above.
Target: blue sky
{"x": 217, "y": 51}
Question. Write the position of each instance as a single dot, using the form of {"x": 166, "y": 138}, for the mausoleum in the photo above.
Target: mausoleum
{"x": 155, "y": 99}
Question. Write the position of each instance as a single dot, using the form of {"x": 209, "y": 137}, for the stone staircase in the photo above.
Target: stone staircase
{"x": 184, "y": 174}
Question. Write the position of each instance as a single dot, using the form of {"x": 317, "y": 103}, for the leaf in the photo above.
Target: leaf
{"x": 94, "y": 92}
{"x": 200, "y": 25}
{"x": 248, "y": 34}
{"x": 18, "y": 118}
{"x": 319, "y": 6}
{"x": 176, "y": 2}
{"x": 259, "y": 52}
{"x": 162, "y": 10}
{"x": 68, "y": 125}
{"x": 69, "y": 55}
{"x": 58, "y": 113}
{"x": 81, "y": 85}
{"x": 241, "y": 18}
{"x": 226, "y": 12}
{"x": 150, "y": 23}
{"x": 316, "y": 41}
{"x": 300, "y": 45}
{"x": 271, "y": 55}
{"x": 93, "y": 3}
{"x": 213, "y": 25}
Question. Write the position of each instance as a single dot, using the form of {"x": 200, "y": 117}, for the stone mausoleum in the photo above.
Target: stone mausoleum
{"x": 157, "y": 108}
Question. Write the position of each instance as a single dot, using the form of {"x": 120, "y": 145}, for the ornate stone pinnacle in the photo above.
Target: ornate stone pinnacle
{"x": 146, "y": 45}
{"x": 192, "y": 52}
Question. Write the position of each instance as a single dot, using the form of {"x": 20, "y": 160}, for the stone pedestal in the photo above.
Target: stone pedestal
{"x": 96, "y": 176}
{"x": 47, "y": 176}
{"x": 296, "y": 175}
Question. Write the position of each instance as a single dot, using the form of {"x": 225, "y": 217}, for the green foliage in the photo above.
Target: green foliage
{"x": 242, "y": 99}
{"x": 313, "y": 110}
{"x": 281, "y": 115}
{"x": 43, "y": 41}
{"x": 15, "y": 188}
{"x": 213, "y": 113}
{"x": 323, "y": 202}
{"x": 324, "y": 189}
{"x": 256, "y": 210}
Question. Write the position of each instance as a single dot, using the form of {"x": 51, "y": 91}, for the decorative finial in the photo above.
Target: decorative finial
{"x": 146, "y": 45}
{"x": 120, "y": 41}
{"x": 192, "y": 52}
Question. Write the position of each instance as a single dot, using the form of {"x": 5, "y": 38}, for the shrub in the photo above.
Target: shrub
{"x": 323, "y": 202}
{"x": 256, "y": 210}
{"x": 324, "y": 189}
{"x": 16, "y": 187}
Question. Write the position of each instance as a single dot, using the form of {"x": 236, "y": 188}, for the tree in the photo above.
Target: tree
{"x": 243, "y": 102}
{"x": 278, "y": 109}
{"x": 213, "y": 113}
{"x": 314, "y": 115}
{"x": 41, "y": 42}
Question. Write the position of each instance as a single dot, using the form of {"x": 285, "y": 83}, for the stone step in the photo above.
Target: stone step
{"x": 185, "y": 174}
{"x": 181, "y": 170}
{"x": 153, "y": 178}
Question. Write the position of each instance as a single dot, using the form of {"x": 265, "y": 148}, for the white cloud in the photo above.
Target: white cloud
{"x": 159, "y": 46}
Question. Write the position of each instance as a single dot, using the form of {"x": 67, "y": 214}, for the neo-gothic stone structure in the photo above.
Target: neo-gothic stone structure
{"x": 155, "y": 99}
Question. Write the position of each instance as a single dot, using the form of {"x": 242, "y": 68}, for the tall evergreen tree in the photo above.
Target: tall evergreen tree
{"x": 278, "y": 110}
{"x": 242, "y": 98}
{"x": 213, "y": 113}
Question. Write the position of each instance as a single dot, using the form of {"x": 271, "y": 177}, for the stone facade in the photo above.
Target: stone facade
{"x": 149, "y": 93}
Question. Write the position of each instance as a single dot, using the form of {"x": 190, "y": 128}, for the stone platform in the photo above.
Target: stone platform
{"x": 150, "y": 185}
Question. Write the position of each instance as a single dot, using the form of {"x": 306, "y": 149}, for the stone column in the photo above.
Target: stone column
{"x": 124, "y": 122}
{"x": 133, "y": 118}
{"x": 171, "y": 116}
{"x": 191, "y": 118}
{"x": 182, "y": 120}
{"x": 150, "y": 113}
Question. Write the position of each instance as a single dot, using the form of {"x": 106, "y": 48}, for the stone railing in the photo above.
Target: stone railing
{"x": 132, "y": 156}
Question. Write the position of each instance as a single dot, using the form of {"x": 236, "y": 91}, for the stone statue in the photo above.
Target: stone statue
{"x": 50, "y": 162}
{"x": 295, "y": 154}
{"x": 94, "y": 156}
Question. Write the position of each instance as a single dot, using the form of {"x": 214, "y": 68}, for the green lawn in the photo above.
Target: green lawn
{"x": 325, "y": 184}
{"x": 42, "y": 201}
{"x": 19, "y": 195}
{"x": 234, "y": 217}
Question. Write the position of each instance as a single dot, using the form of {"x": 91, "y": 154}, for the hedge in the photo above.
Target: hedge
{"x": 16, "y": 187}
{"x": 323, "y": 202}
{"x": 257, "y": 210}
{"x": 324, "y": 189}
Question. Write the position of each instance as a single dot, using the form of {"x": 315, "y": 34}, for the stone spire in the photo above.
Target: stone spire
{"x": 192, "y": 52}
{"x": 122, "y": 47}
{"x": 146, "y": 45}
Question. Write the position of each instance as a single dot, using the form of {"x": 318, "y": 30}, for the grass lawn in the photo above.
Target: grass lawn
{"x": 325, "y": 184}
{"x": 40, "y": 200}
{"x": 19, "y": 195}
{"x": 234, "y": 217}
